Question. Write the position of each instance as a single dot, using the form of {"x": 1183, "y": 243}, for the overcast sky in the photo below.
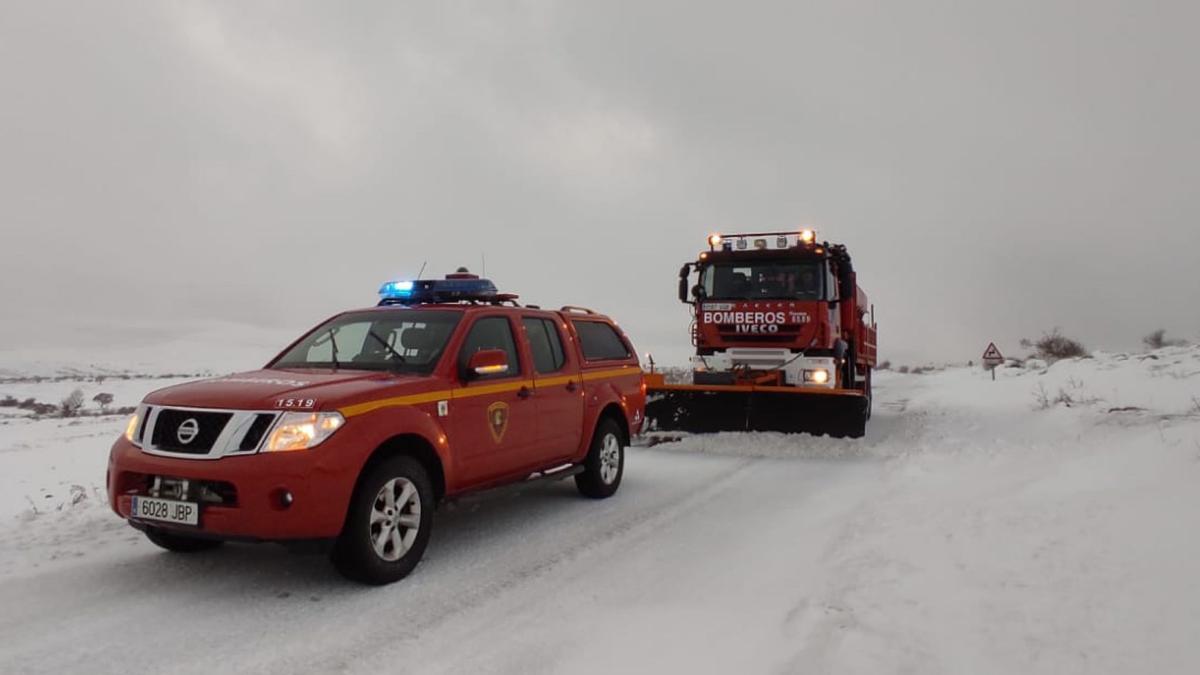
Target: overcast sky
{"x": 996, "y": 168}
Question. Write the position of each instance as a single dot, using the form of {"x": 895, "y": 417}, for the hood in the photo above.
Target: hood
{"x": 269, "y": 389}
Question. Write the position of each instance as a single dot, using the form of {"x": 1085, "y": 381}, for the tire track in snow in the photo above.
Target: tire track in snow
{"x": 643, "y": 523}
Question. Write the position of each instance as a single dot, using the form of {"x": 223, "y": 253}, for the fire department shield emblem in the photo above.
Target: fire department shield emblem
{"x": 498, "y": 420}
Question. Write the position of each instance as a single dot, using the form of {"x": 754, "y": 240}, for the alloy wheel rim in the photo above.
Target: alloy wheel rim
{"x": 395, "y": 519}
{"x": 610, "y": 459}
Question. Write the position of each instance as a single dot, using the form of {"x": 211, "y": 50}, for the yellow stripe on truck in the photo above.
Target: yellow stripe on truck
{"x": 483, "y": 390}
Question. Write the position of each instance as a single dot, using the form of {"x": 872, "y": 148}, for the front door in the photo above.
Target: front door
{"x": 492, "y": 426}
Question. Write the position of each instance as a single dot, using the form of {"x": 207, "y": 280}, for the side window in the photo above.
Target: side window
{"x": 600, "y": 342}
{"x": 493, "y": 332}
{"x": 545, "y": 344}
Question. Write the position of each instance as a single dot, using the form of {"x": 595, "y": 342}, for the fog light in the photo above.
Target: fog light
{"x": 820, "y": 376}
{"x": 282, "y": 499}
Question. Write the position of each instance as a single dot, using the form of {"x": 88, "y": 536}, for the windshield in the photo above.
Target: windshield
{"x": 764, "y": 281}
{"x": 401, "y": 340}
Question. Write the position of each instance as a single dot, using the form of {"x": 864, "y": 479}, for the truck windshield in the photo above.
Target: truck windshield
{"x": 768, "y": 280}
{"x": 401, "y": 340}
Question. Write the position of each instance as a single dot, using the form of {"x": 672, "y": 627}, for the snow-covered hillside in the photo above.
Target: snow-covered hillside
{"x": 1041, "y": 523}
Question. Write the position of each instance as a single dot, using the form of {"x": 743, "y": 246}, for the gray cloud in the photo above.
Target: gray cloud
{"x": 996, "y": 168}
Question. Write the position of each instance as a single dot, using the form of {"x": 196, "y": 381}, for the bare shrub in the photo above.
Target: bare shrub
{"x": 8, "y": 402}
{"x": 902, "y": 370}
{"x": 1041, "y": 397}
{"x": 1158, "y": 340}
{"x": 72, "y": 404}
{"x": 884, "y": 365}
{"x": 1054, "y": 346}
{"x": 103, "y": 400}
{"x": 1070, "y": 396}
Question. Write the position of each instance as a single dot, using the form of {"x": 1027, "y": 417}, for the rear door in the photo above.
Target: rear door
{"x": 558, "y": 385}
{"x": 492, "y": 426}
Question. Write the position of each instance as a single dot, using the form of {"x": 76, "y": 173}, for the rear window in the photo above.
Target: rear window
{"x": 601, "y": 342}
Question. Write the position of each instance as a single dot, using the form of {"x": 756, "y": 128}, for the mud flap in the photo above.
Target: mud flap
{"x": 700, "y": 411}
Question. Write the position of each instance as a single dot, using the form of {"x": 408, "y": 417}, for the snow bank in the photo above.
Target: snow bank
{"x": 1041, "y": 523}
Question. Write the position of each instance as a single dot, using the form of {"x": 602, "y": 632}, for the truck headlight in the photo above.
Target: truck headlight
{"x": 301, "y": 431}
{"x": 132, "y": 427}
{"x": 818, "y": 376}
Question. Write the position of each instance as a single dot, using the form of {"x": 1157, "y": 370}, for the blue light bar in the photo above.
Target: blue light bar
{"x": 436, "y": 290}
{"x": 396, "y": 289}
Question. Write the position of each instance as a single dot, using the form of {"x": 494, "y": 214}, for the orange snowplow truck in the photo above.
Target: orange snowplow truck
{"x": 785, "y": 340}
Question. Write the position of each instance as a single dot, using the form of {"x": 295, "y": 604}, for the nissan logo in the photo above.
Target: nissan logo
{"x": 188, "y": 430}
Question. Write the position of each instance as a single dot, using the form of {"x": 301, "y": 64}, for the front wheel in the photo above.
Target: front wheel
{"x": 605, "y": 462}
{"x": 388, "y": 524}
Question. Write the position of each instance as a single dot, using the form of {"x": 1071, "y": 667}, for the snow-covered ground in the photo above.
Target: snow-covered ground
{"x": 981, "y": 527}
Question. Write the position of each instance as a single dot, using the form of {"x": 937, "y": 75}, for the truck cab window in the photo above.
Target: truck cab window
{"x": 600, "y": 342}
{"x": 764, "y": 281}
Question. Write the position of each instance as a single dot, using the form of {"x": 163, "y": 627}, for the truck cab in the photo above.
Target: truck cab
{"x": 357, "y": 430}
{"x": 783, "y": 336}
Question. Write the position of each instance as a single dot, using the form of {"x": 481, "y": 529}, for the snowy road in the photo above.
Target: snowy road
{"x": 973, "y": 530}
{"x": 690, "y": 553}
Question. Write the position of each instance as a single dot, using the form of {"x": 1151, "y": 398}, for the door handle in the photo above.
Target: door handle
{"x": 572, "y": 387}
{"x": 524, "y": 393}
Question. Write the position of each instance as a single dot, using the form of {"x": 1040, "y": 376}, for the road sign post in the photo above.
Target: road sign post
{"x": 992, "y": 358}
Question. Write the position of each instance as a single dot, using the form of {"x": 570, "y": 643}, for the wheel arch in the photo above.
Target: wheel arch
{"x": 409, "y": 445}
{"x": 614, "y": 412}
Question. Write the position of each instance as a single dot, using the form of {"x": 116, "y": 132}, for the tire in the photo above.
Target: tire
{"x": 870, "y": 394}
{"x": 388, "y": 523}
{"x": 179, "y": 543}
{"x": 605, "y": 462}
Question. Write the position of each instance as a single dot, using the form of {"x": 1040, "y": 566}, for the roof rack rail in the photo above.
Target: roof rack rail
{"x": 579, "y": 310}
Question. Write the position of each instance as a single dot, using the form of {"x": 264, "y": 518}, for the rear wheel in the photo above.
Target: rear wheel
{"x": 388, "y": 524}
{"x": 179, "y": 543}
{"x": 869, "y": 392}
{"x": 605, "y": 462}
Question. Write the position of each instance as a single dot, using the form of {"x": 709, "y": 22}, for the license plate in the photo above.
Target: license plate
{"x": 165, "y": 511}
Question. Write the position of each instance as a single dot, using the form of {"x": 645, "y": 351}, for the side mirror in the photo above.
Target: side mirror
{"x": 487, "y": 362}
{"x": 683, "y": 282}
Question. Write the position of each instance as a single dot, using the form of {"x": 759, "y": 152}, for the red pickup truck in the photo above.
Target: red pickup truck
{"x": 355, "y": 432}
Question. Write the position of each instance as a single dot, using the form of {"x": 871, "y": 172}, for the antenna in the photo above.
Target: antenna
{"x": 422, "y": 269}
{"x": 483, "y": 264}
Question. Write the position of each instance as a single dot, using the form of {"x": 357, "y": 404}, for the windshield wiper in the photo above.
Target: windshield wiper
{"x": 398, "y": 357}
{"x": 333, "y": 345}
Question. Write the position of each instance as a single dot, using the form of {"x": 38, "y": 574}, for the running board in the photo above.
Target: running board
{"x": 546, "y": 476}
{"x": 557, "y": 472}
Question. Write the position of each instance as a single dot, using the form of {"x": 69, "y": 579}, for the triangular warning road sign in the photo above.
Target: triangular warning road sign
{"x": 992, "y": 353}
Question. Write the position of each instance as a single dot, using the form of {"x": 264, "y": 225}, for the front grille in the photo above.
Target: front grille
{"x": 788, "y": 334}
{"x": 168, "y": 487}
{"x": 208, "y": 428}
{"x": 255, "y": 433}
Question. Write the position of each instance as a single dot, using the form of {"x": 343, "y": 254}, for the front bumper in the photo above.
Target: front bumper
{"x": 250, "y": 486}
{"x": 721, "y": 367}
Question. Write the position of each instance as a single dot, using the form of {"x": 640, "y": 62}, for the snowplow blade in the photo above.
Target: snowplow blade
{"x": 710, "y": 409}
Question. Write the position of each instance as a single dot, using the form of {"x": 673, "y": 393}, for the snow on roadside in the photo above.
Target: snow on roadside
{"x": 212, "y": 348}
{"x": 1041, "y": 523}
{"x": 1015, "y": 529}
